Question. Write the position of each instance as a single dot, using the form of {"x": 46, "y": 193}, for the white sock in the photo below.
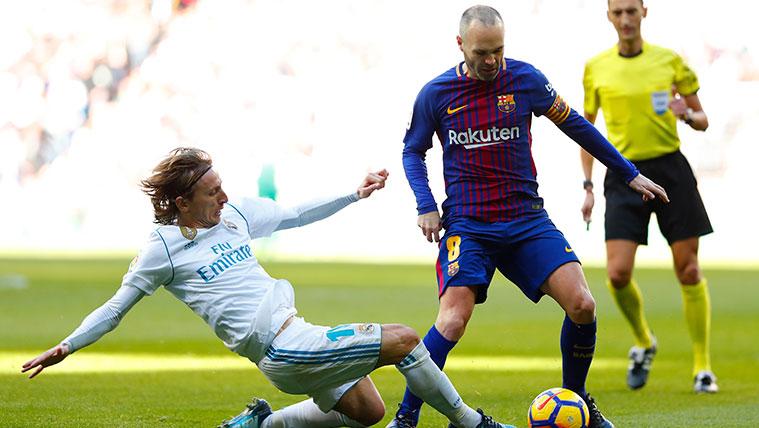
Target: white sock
{"x": 427, "y": 382}
{"x": 306, "y": 414}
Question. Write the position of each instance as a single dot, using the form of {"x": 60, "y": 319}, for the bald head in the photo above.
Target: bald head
{"x": 484, "y": 15}
{"x": 608, "y": 3}
{"x": 481, "y": 41}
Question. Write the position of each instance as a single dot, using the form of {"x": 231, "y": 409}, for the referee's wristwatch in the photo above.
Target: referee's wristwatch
{"x": 587, "y": 185}
{"x": 688, "y": 116}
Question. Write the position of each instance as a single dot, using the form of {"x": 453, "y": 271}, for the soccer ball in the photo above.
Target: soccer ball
{"x": 558, "y": 408}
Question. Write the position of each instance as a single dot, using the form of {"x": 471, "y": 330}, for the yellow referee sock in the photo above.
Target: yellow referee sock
{"x": 630, "y": 302}
{"x": 698, "y": 311}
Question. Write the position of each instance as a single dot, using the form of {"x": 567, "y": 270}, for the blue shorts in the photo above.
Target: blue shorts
{"x": 526, "y": 251}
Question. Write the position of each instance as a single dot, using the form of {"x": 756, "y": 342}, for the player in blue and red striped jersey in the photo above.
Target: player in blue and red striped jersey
{"x": 481, "y": 111}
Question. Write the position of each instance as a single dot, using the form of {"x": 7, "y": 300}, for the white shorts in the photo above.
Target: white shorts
{"x": 321, "y": 362}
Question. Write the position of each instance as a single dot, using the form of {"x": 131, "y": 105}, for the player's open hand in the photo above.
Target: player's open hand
{"x": 50, "y": 357}
{"x": 648, "y": 188}
{"x": 373, "y": 181}
{"x": 430, "y": 225}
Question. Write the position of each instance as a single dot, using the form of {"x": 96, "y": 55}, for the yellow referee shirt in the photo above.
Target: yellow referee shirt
{"x": 634, "y": 94}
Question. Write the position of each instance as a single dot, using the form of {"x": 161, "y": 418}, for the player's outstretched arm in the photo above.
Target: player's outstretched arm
{"x": 648, "y": 189}
{"x": 373, "y": 181}
{"x": 320, "y": 209}
{"x": 48, "y": 358}
{"x": 93, "y": 327}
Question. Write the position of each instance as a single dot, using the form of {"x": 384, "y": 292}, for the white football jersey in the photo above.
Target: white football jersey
{"x": 216, "y": 274}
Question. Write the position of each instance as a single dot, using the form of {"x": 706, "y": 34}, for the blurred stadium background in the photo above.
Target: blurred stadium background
{"x": 301, "y": 98}
{"x": 296, "y": 99}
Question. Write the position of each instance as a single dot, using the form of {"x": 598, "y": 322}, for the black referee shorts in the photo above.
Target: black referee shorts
{"x": 627, "y": 215}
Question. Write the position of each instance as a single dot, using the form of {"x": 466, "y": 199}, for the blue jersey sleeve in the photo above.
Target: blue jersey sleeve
{"x": 588, "y": 137}
{"x": 542, "y": 94}
{"x": 544, "y": 99}
{"x": 417, "y": 141}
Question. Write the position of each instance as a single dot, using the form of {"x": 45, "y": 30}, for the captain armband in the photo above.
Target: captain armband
{"x": 559, "y": 111}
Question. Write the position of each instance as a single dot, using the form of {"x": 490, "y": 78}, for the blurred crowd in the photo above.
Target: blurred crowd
{"x": 80, "y": 69}
{"x": 148, "y": 74}
{"x": 67, "y": 59}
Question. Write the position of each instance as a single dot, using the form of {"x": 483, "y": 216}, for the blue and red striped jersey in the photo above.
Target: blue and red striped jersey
{"x": 484, "y": 129}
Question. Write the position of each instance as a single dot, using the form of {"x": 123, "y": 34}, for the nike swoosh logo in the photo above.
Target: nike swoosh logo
{"x": 568, "y": 250}
{"x": 454, "y": 110}
{"x": 474, "y": 146}
{"x": 584, "y": 347}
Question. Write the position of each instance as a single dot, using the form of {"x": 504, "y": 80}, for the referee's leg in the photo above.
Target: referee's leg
{"x": 620, "y": 261}
{"x": 696, "y": 304}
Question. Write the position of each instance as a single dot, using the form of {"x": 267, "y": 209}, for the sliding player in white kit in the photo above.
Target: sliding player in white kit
{"x": 201, "y": 253}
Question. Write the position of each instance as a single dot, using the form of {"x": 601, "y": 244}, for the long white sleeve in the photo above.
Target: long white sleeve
{"x": 313, "y": 211}
{"x": 104, "y": 319}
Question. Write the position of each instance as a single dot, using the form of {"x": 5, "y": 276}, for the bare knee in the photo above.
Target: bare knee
{"x": 451, "y": 325}
{"x": 398, "y": 341}
{"x": 619, "y": 277}
{"x": 583, "y": 309}
{"x": 689, "y": 273}
{"x": 408, "y": 338}
{"x": 362, "y": 403}
{"x": 456, "y": 307}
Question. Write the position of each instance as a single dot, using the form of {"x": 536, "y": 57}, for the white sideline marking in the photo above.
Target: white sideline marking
{"x": 93, "y": 362}
{"x": 13, "y": 282}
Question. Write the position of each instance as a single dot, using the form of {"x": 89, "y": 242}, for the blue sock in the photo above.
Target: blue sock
{"x": 578, "y": 343}
{"x": 439, "y": 347}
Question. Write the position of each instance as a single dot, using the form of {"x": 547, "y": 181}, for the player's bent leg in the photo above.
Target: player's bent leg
{"x": 362, "y": 403}
{"x": 302, "y": 360}
{"x": 423, "y": 377}
{"x": 454, "y": 313}
{"x": 567, "y": 286}
{"x": 398, "y": 341}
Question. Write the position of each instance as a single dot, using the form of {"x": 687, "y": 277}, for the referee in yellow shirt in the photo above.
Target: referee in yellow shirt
{"x": 643, "y": 89}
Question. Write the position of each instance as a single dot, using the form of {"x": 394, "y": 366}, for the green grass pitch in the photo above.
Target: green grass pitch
{"x": 162, "y": 367}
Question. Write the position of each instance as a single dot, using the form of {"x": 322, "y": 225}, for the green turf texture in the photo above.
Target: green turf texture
{"x": 59, "y": 293}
